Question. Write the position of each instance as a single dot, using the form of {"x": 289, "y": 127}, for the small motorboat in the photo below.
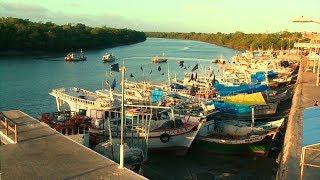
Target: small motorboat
{"x": 158, "y": 59}
{"x": 75, "y": 57}
{"x": 108, "y": 58}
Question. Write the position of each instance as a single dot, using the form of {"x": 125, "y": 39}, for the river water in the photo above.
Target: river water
{"x": 25, "y": 82}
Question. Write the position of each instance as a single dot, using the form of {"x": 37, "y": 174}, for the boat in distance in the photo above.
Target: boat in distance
{"x": 75, "y": 57}
{"x": 108, "y": 58}
{"x": 159, "y": 59}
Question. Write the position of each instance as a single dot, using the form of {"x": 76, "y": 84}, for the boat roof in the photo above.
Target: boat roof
{"x": 311, "y": 126}
{"x": 80, "y": 93}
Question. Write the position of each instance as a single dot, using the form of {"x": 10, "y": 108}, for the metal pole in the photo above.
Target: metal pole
{"x": 122, "y": 119}
{"x": 169, "y": 81}
{"x": 252, "y": 117}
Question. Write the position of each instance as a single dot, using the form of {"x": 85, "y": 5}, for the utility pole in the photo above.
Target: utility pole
{"x": 122, "y": 119}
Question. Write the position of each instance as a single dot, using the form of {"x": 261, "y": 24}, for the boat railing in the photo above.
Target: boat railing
{"x": 85, "y": 91}
{"x": 180, "y": 90}
{"x": 63, "y": 95}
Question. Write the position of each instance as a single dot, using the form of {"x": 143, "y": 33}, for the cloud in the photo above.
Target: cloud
{"x": 17, "y": 7}
{"x": 39, "y": 13}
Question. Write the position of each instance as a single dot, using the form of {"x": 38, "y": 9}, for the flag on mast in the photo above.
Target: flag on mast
{"x": 195, "y": 67}
{"x": 115, "y": 67}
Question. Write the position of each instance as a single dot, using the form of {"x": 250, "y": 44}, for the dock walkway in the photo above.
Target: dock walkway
{"x": 43, "y": 153}
{"x": 306, "y": 93}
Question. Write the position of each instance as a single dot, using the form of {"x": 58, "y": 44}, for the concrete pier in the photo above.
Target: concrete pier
{"x": 306, "y": 93}
{"x": 43, "y": 153}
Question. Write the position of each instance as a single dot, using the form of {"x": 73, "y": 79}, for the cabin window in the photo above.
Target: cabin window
{"x": 82, "y": 112}
{"x": 113, "y": 114}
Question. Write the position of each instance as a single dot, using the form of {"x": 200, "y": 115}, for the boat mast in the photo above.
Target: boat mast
{"x": 169, "y": 82}
{"x": 122, "y": 119}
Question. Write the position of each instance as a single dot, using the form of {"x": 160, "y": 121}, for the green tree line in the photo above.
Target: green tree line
{"x": 239, "y": 40}
{"x": 22, "y": 34}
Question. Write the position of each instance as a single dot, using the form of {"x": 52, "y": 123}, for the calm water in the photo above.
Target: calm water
{"x": 26, "y": 81}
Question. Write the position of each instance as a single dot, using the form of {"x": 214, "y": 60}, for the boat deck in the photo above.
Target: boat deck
{"x": 43, "y": 153}
{"x": 81, "y": 93}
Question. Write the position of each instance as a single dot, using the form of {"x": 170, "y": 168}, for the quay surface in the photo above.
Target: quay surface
{"x": 306, "y": 93}
{"x": 43, "y": 153}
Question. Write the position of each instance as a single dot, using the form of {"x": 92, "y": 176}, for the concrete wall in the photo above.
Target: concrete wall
{"x": 289, "y": 167}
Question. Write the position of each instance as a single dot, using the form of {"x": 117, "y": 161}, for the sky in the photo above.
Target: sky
{"x": 211, "y": 16}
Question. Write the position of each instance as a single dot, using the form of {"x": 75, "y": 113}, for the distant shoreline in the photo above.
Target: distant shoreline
{"x": 238, "y": 40}
{"x": 13, "y": 53}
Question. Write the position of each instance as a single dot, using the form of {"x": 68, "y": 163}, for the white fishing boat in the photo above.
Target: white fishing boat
{"x": 108, "y": 58}
{"x": 166, "y": 132}
{"x": 240, "y": 132}
{"x": 159, "y": 59}
{"x": 85, "y": 102}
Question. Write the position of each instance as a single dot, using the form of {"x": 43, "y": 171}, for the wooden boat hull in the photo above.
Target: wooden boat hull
{"x": 257, "y": 148}
{"x": 178, "y": 139}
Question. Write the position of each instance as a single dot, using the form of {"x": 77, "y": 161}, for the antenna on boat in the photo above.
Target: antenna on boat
{"x": 121, "y": 165}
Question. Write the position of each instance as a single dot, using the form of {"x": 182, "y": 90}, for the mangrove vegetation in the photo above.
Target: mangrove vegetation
{"x": 21, "y": 34}
{"x": 238, "y": 40}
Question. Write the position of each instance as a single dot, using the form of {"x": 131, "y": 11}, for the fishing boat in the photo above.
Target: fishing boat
{"x": 166, "y": 134}
{"x": 240, "y": 111}
{"x": 84, "y": 102}
{"x": 238, "y": 137}
{"x": 108, "y": 58}
{"x": 192, "y": 92}
{"x": 280, "y": 95}
{"x": 159, "y": 59}
{"x": 163, "y": 131}
{"x": 75, "y": 57}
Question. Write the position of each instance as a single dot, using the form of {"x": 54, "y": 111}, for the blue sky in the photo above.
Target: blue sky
{"x": 171, "y": 15}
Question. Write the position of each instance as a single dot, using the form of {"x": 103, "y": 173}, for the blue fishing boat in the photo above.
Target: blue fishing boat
{"x": 224, "y": 90}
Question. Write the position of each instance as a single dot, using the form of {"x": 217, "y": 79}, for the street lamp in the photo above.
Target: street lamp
{"x": 303, "y": 19}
